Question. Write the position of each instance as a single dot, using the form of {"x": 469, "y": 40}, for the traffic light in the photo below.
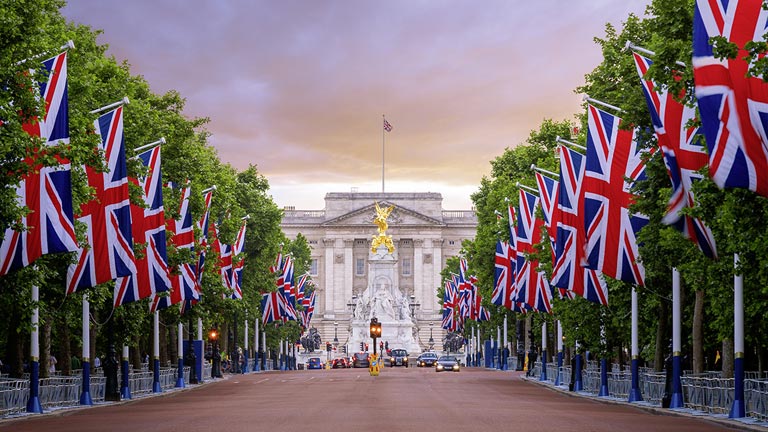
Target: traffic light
{"x": 328, "y": 346}
{"x": 375, "y": 328}
{"x": 344, "y": 349}
{"x": 362, "y": 346}
{"x": 366, "y": 347}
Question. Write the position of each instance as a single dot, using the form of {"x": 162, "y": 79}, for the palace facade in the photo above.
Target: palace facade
{"x": 424, "y": 234}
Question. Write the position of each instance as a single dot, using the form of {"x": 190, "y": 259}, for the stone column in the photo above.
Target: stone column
{"x": 418, "y": 270}
{"x": 437, "y": 266}
{"x": 349, "y": 272}
{"x": 328, "y": 244}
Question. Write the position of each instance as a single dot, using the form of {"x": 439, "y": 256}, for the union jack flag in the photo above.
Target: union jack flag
{"x": 387, "y": 126}
{"x": 270, "y": 307}
{"x": 109, "y": 253}
{"x": 569, "y": 271}
{"x": 548, "y": 190}
{"x": 532, "y": 286}
{"x": 683, "y": 155}
{"x": 309, "y": 310}
{"x": 183, "y": 285}
{"x": 733, "y": 106}
{"x": 237, "y": 266}
{"x": 278, "y": 265}
{"x": 301, "y": 287}
{"x": 152, "y": 276}
{"x": 203, "y": 225}
{"x": 46, "y": 191}
{"x": 449, "y": 304}
{"x": 288, "y": 282}
{"x": 612, "y": 156}
{"x": 502, "y": 278}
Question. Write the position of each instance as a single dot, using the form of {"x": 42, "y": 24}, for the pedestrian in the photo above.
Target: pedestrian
{"x": 96, "y": 362}
{"x": 74, "y": 363}
{"x": 52, "y": 364}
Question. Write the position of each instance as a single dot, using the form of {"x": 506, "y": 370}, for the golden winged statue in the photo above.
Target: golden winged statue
{"x": 381, "y": 221}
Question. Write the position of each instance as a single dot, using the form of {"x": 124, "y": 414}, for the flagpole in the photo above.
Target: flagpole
{"x": 123, "y": 101}
{"x": 601, "y": 103}
{"x": 383, "y": 132}
{"x": 161, "y": 141}
{"x": 572, "y": 144}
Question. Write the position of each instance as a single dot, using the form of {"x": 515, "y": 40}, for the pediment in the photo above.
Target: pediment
{"x": 400, "y": 216}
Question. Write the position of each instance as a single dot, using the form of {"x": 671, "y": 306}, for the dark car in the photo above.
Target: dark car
{"x": 447, "y": 363}
{"x": 361, "y": 360}
{"x": 314, "y": 363}
{"x": 426, "y": 359}
{"x": 340, "y": 363}
{"x": 398, "y": 357}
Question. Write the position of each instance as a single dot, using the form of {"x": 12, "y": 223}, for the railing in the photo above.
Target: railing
{"x": 63, "y": 391}
{"x": 713, "y": 395}
{"x": 458, "y": 214}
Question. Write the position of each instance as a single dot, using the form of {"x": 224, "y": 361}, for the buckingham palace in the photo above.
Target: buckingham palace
{"x": 340, "y": 235}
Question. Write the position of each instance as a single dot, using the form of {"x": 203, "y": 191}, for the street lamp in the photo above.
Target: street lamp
{"x": 335, "y": 333}
{"x": 431, "y": 340}
{"x": 213, "y": 337}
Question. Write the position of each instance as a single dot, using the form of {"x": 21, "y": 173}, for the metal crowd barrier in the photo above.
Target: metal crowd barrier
{"x": 756, "y": 399}
{"x": 15, "y": 393}
{"x": 712, "y": 395}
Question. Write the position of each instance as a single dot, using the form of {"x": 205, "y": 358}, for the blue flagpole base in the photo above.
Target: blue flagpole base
{"x": 85, "y": 395}
{"x": 33, "y": 403}
{"x": 603, "y": 391}
{"x": 256, "y": 362}
{"x": 676, "y": 401}
{"x": 180, "y": 377}
{"x": 245, "y": 363}
{"x": 156, "y": 388}
{"x": 634, "y": 392}
{"x": 738, "y": 409}
{"x": 34, "y": 406}
{"x": 543, "y": 376}
{"x": 125, "y": 393}
{"x": 635, "y": 395}
{"x": 85, "y": 398}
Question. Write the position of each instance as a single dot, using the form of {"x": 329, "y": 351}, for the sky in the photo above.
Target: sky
{"x": 299, "y": 87}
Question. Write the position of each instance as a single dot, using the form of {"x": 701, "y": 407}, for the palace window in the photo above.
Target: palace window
{"x": 360, "y": 267}
{"x": 406, "y": 266}
{"x": 313, "y": 267}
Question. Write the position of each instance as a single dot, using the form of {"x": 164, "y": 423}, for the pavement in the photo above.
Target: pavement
{"x": 400, "y": 399}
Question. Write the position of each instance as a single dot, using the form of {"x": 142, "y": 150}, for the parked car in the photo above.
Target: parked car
{"x": 447, "y": 363}
{"x": 426, "y": 359}
{"x": 361, "y": 360}
{"x": 314, "y": 363}
{"x": 340, "y": 363}
{"x": 398, "y": 357}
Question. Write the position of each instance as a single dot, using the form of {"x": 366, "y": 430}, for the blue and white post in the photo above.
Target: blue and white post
{"x": 180, "y": 346}
{"x": 634, "y": 392}
{"x": 245, "y": 368}
{"x": 256, "y": 345}
{"x": 603, "y": 363}
{"x": 543, "y": 376}
{"x": 125, "y": 385}
{"x": 33, "y": 403}
{"x": 263, "y": 350}
{"x": 156, "y": 388}
{"x": 577, "y": 384}
{"x": 677, "y": 388}
{"x": 559, "y": 351}
{"x": 200, "y": 359}
{"x": 282, "y": 365}
{"x": 499, "y": 346}
{"x": 85, "y": 394}
{"x": 738, "y": 407}
{"x": 505, "y": 347}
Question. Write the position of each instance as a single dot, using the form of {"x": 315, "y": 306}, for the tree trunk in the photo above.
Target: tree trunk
{"x": 135, "y": 353}
{"x": 163, "y": 343}
{"x": 173, "y": 344}
{"x": 662, "y": 338}
{"x": 698, "y": 333}
{"x": 15, "y": 347}
{"x": 727, "y": 358}
{"x": 65, "y": 349}
{"x": 45, "y": 349}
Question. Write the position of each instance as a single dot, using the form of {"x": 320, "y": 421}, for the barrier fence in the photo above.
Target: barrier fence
{"x": 707, "y": 392}
{"x": 64, "y": 391}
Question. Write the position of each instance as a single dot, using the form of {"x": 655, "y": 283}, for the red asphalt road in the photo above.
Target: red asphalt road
{"x": 398, "y": 400}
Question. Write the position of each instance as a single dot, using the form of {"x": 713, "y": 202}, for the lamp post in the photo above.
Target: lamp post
{"x": 335, "y": 333}
{"x": 431, "y": 340}
{"x": 213, "y": 337}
